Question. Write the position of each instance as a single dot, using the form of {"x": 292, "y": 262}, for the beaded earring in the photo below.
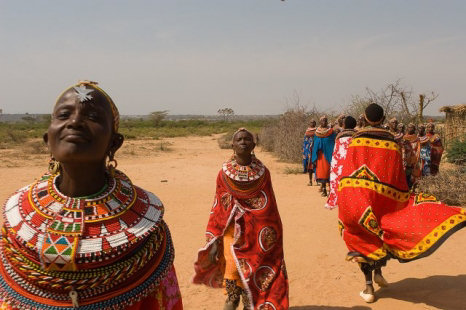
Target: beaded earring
{"x": 111, "y": 165}
{"x": 54, "y": 166}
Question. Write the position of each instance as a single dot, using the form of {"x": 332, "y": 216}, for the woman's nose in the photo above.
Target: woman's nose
{"x": 75, "y": 120}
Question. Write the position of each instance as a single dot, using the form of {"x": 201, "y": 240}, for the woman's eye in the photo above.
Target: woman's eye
{"x": 93, "y": 116}
{"x": 62, "y": 114}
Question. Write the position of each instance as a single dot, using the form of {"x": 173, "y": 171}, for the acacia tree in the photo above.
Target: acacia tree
{"x": 226, "y": 113}
{"x": 397, "y": 101}
{"x": 157, "y": 117}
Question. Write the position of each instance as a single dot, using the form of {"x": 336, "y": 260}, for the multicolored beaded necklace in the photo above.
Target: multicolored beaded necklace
{"x": 53, "y": 244}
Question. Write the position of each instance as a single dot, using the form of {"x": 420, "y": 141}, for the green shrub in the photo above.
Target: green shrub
{"x": 456, "y": 152}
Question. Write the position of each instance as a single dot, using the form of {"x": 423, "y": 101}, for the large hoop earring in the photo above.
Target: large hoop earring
{"x": 111, "y": 165}
{"x": 54, "y": 166}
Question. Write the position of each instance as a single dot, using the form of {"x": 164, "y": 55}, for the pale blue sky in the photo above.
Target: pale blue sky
{"x": 195, "y": 57}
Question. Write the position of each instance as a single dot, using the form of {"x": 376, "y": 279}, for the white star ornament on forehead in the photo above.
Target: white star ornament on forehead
{"x": 83, "y": 93}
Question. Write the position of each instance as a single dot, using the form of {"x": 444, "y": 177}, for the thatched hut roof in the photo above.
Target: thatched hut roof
{"x": 460, "y": 109}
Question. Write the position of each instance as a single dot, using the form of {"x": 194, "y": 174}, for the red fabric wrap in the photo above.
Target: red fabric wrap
{"x": 258, "y": 250}
{"x": 436, "y": 152}
{"x": 378, "y": 217}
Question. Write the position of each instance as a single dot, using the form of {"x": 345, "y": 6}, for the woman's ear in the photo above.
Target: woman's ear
{"x": 117, "y": 142}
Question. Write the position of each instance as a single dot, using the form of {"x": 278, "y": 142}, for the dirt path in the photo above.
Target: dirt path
{"x": 184, "y": 179}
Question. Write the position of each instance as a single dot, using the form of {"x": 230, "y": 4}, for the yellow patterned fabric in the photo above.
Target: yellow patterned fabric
{"x": 375, "y": 143}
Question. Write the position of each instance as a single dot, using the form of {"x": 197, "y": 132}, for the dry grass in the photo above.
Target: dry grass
{"x": 448, "y": 186}
{"x": 224, "y": 141}
{"x": 144, "y": 147}
{"x": 36, "y": 146}
{"x": 293, "y": 170}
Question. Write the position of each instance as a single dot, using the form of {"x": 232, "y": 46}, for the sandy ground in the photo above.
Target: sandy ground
{"x": 183, "y": 176}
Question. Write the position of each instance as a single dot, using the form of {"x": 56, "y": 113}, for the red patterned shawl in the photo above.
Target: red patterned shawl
{"x": 245, "y": 197}
{"x": 378, "y": 217}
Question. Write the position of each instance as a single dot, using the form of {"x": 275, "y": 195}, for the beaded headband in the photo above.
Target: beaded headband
{"x": 373, "y": 123}
{"x": 85, "y": 94}
{"x": 372, "y": 109}
{"x": 245, "y": 130}
{"x": 323, "y": 117}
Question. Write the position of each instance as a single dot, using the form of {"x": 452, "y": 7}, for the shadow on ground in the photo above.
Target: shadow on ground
{"x": 329, "y": 308}
{"x": 444, "y": 292}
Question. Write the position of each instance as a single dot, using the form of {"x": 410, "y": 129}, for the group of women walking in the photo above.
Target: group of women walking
{"x": 83, "y": 236}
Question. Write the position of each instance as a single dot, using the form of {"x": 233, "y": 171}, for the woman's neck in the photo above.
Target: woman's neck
{"x": 81, "y": 180}
{"x": 243, "y": 160}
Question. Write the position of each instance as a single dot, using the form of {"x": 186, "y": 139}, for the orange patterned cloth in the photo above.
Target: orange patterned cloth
{"x": 231, "y": 272}
{"x": 245, "y": 201}
{"x": 378, "y": 217}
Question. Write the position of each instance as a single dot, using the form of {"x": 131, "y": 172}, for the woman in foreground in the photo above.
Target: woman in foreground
{"x": 244, "y": 250}
{"x": 83, "y": 236}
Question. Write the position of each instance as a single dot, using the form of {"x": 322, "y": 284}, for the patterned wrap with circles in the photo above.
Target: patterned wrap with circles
{"x": 248, "y": 203}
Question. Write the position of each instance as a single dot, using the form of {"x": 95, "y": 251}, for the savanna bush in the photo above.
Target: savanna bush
{"x": 284, "y": 136}
{"x": 447, "y": 186}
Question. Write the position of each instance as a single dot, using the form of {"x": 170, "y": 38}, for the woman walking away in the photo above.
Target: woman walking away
{"x": 307, "y": 150}
{"x": 425, "y": 151}
{"x": 436, "y": 148}
{"x": 342, "y": 141}
{"x": 407, "y": 153}
{"x": 83, "y": 236}
{"x": 379, "y": 218}
{"x": 415, "y": 172}
{"x": 322, "y": 150}
{"x": 244, "y": 250}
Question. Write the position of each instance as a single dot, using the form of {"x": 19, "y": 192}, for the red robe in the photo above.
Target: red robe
{"x": 378, "y": 217}
{"x": 245, "y": 197}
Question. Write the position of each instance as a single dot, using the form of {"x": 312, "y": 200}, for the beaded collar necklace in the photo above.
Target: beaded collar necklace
{"x": 424, "y": 139}
{"x": 399, "y": 136}
{"x": 324, "y": 131}
{"x": 240, "y": 173}
{"x": 411, "y": 137}
{"x": 310, "y": 131}
{"x": 346, "y": 133}
{"x": 108, "y": 187}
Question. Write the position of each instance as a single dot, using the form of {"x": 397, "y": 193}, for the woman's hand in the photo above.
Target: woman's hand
{"x": 213, "y": 252}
